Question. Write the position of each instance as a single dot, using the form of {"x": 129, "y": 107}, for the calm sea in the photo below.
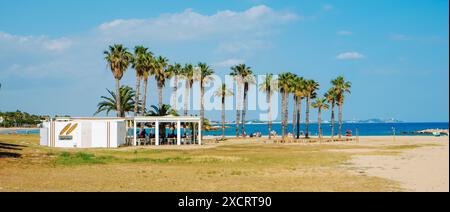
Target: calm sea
{"x": 365, "y": 129}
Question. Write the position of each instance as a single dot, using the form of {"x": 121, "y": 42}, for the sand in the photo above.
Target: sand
{"x": 423, "y": 169}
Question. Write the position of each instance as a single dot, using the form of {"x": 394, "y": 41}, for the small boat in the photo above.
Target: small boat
{"x": 437, "y": 134}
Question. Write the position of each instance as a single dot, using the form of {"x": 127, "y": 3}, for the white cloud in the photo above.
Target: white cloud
{"x": 77, "y": 56}
{"x": 350, "y": 56}
{"x": 40, "y": 42}
{"x": 230, "y": 62}
{"x": 189, "y": 24}
{"x": 344, "y": 33}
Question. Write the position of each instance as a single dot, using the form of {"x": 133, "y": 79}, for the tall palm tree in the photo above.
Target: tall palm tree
{"x": 161, "y": 74}
{"x": 118, "y": 59}
{"x": 140, "y": 64}
{"x": 331, "y": 99}
{"x": 238, "y": 72}
{"x": 285, "y": 84}
{"x": 109, "y": 103}
{"x": 311, "y": 87}
{"x": 238, "y": 78}
{"x": 175, "y": 71}
{"x": 341, "y": 87}
{"x": 248, "y": 79}
{"x": 187, "y": 73}
{"x": 203, "y": 77}
{"x": 223, "y": 92}
{"x": 269, "y": 86}
{"x": 320, "y": 104}
{"x": 299, "y": 93}
{"x": 150, "y": 67}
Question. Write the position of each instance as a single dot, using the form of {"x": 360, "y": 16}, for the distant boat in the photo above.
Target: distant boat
{"x": 437, "y": 134}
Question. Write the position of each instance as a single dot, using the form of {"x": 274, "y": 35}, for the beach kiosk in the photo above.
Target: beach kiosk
{"x": 65, "y": 132}
{"x": 83, "y": 132}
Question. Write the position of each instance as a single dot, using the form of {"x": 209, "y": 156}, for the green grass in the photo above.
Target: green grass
{"x": 225, "y": 167}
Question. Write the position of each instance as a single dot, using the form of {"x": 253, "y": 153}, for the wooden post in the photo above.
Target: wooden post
{"x": 357, "y": 135}
{"x": 199, "y": 133}
{"x": 134, "y": 133}
{"x": 178, "y": 133}
{"x": 157, "y": 133}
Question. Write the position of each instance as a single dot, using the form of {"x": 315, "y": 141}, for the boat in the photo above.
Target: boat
{"x": 437, "y": 134}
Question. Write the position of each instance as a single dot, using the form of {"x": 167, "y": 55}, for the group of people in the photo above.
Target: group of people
{"x": 143, "y": 134}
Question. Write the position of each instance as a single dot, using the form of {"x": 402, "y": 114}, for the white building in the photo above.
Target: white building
{"x": 117, "y": 132}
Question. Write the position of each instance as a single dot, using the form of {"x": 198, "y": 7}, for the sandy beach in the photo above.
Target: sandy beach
{"x": 420, "y": 169}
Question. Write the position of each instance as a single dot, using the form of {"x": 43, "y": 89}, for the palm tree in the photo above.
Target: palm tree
{"x": 341, "y": 87}
{"x": 248, "y": 78}
{"x": 223, "y": 92}
{"x": 269, "y": 86}
{"x": 150, "y": 67}
{"x": 203, "y": 76}
{"x": 118, "y": 59}
{"x": 164, "y": 110}
{"x": 161, "y": 74}
{"x": 299, "y": 94}
{"x": 238, "y": 72}
{"x": 140, "y": 64}
{"x": 285, "y": 82}
{"x": 320, "y": 104}
{"x": 175, "y": 71}
{"x": 311, "y": 87}
{"x": 187, "y": 73}
{"x": 331, "y": 98}
{"x": 109, "y": 103}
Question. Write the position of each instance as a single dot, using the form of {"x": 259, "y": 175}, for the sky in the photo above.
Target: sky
{"x": 395, "y": 53}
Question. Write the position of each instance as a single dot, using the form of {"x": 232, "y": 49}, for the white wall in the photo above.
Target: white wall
{"x": 88, "y": 134}
{"x": 99, "y": 134}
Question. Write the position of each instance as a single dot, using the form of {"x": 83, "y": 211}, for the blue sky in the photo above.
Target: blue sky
{"x": 394, "y": 52}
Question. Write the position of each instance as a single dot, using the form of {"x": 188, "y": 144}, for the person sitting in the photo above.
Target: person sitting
{"x": 142, "y": 133}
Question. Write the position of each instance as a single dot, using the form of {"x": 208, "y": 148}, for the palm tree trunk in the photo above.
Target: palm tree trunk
{"x": 144, "y": 97}
{"x": 202, "y": 106}
{"x": 136, "y": 98}
{"x": 244, "y": 109}
{"x": 186, "y": 99}
{"x": 286, "y": 113}
{"x": 318, "y": 123}
{"x": 294, "y": 115}
{"x": 269, "y": 115}
{"x": 340, "y": 120}
{"x": 223, "y": 116}
{"x": 174, "y": 95}
{"x": 160, "y": 98}
{"x": 186, "y": 104}
{"x": 299, "y": 112}
{"x": 283, "y": 126}
{"x": 238, "y": 107}
{"x": 332, "y": 120}
{"x": 118, "y": 100}
{"x": 308, "y": 99}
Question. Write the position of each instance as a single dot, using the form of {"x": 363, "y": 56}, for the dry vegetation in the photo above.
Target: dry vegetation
{"x": 233, "y": 165}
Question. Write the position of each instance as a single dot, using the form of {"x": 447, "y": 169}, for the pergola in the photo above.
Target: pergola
{"x": 165, "y": 119}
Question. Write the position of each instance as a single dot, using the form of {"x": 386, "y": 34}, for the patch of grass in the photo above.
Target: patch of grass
{"x": 82, "y": 158}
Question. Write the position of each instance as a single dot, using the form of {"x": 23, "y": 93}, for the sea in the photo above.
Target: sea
{"x": 363, "y": 129}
